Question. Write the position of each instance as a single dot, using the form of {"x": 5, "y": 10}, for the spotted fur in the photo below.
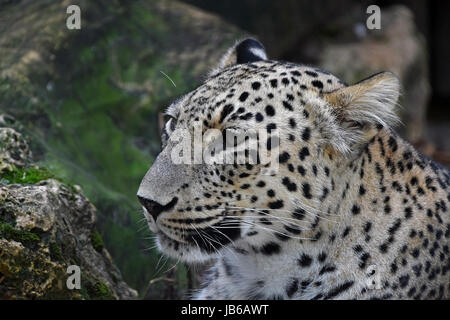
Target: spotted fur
{"x": 354, "y": 211}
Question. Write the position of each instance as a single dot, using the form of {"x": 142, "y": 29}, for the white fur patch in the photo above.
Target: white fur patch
{"x": 259, "y": 53}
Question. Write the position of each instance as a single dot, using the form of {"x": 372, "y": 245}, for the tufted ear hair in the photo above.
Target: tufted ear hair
{"x": 372, "y": 100}
{"x": 360, "y": 107}
{"x": 244, "y": 51}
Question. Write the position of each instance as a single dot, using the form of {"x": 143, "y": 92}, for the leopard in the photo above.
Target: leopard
{"x": 351, "y": 211}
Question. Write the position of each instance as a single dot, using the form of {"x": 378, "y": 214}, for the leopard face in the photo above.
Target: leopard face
{"x": 199, "y": 209}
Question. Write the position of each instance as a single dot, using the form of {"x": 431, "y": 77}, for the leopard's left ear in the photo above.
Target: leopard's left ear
{"x": 244, "y": 51}
{"x": 357, "y": 111}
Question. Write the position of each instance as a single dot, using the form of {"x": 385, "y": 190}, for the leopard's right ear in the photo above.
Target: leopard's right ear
{"x": 244, "y": 51}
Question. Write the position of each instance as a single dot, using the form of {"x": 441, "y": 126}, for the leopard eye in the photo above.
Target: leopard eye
{"x": 168, "y": 128}
{"x": 170, "y": 124}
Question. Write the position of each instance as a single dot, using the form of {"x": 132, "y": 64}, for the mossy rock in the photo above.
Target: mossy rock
{"x": 97, "y": 241}
{"x": 45, "y": 227}
{"x": 95, "y": 289}
{"x": 27, "y": 238}
{"x": 14, "y": 149}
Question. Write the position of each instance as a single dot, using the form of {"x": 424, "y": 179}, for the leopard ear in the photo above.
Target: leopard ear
{"x": 371, "y": 101}
{"x": 359, "y": 109}
{"x": 244, "y": 51}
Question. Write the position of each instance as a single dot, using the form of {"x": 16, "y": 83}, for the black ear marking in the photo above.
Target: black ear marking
{"x": 246, "y": 51}
{"x": 250, "y": 50}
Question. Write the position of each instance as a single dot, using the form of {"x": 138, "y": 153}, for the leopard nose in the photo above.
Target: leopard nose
{"x": 154, "y": 208}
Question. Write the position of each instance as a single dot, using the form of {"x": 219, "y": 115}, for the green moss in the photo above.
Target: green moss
{"x": 25, "y": 237}
{"x": 33, "y": 175}
{"x": 55, "y": 252}
{"x": 94, "y": 289}
{"x": 29, "y": 175}
{"x": 100, "y": 291}
{"x": 97, "y": 241}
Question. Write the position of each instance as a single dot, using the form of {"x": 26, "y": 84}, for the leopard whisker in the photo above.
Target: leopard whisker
{"x": 267, "y": 214}
{"x": 271, "y": 230}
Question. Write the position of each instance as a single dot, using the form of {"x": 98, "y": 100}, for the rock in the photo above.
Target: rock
{"x": 45, "y": 226}
{"x": 14, "y": 150}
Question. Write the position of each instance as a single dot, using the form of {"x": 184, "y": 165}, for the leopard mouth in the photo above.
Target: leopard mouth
{"x": 208, "y": 239}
